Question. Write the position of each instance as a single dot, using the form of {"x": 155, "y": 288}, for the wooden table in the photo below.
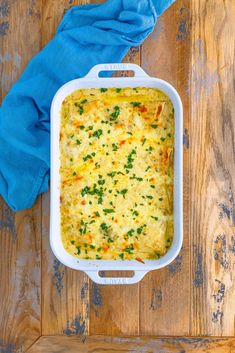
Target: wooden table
{"x": 45, "y": 307}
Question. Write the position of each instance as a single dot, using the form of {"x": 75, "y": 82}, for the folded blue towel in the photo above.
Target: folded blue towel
{"x": 87, "y": 35}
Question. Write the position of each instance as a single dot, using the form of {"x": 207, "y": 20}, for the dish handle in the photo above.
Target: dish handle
{"x": 138, "y": 71}
{"x": 94, "y": 275}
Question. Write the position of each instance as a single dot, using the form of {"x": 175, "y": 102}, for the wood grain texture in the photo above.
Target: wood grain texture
{"x": 93, "y": 344}
{"x": 20, "y": 290}
{"x": 20, "y": 234}
{"x": 192, "y": 47}
{"x": 53, "y": 11}
{"x": 16, "y": 46}
{"x": 65, "y": 307}
{"x": 165, "y": 294}
{"x": 65, "y": 293}
{"x": 212, "y": 167}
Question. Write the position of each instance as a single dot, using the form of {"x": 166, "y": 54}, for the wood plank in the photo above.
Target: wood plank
{"x": 20, "y": 290}
{"x": 20, "y": 234}
{"x": 165, "y": 294}
{"x": 65, "y": 293}
{"x": 62, "y": 344}
{"x": 65, "y": 306}
{"x": 53, "y": 11}
{"x": 114, "y": 310}
{"x": 16, "y": 46}
{"x": 212, "y": 209}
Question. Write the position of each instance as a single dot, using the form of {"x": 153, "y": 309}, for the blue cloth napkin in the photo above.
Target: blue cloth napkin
{"x": 87, "y": 35}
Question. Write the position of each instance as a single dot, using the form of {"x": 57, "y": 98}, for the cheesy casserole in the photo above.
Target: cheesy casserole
{"x": 116, "y": 173}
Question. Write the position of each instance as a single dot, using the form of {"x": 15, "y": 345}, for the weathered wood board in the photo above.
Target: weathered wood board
{"x": 20, "y": 234}
{"x": 193, "y": 48}
{"x": 97, "y": 344}
{"x": 212, "y": 167}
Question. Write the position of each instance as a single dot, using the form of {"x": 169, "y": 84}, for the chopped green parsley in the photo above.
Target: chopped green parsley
{"x": 135, "y": 104}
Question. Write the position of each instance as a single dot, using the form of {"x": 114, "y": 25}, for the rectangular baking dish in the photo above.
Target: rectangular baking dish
{"x": 92, "y": 267}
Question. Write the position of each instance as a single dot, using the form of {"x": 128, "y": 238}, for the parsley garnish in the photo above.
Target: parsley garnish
{"x": 108, "y": 210}
{"x": 130, "y": 232}
{"x": 136, "y": 178}
{"x": 85, "y": 191}
{"x": 94, "y": 191}
{"x": 115, "y": 147}
{"x": 135, "y": 213}
{"x": 97, "y": 133}
{"x": 112, "y": 174}
{"x": 101, "y": 181}
{"x": 136, "y": 104}
{"x": 83, "y": 228}
{"x": 87, "y": 157}
{"x": 140, "y": 229}
{"x": 123, "y": 192}
{"x": 155, "y": 218}
{"x": 115, "y": 114}
{"x": 105, "y": 229}
{"x": 104, "y": 226}
{"x": 81, "y": 109}
{"x": 130, "y": 159}
{"x": 129, "y": 249}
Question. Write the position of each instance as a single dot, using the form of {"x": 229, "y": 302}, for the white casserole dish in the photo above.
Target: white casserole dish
{"x": 92, "y": 267}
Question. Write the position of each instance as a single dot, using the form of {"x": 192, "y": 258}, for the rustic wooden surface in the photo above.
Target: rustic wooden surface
{"x": 212, "y": 168}
{"x": 20, "y": 234}
{"x": 97, "y": 344}
{"x": 192, "y": 47}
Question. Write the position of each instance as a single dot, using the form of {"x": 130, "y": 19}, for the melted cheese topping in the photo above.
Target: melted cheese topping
{"x": 116, "y": 157}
